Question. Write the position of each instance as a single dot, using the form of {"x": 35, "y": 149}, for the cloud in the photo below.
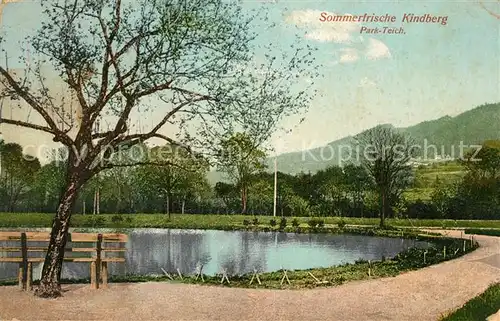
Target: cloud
{"x": 322, "y": 31}
{"x": 355, "y": 47}
{"x": 367, "y": 83}
{"x": 348, "y": 55}
{"x": 376, "y": 50}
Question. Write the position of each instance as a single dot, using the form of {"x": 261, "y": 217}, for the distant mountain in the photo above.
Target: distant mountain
{"x": 446, "y": 134}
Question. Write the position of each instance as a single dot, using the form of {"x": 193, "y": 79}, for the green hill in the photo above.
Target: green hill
{"x": 447, "y": 134}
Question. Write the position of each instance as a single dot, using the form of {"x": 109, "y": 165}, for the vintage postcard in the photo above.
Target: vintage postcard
{"x": 250, "y": 160}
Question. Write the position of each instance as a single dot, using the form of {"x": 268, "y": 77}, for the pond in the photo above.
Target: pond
{"x": 239, "y": 252}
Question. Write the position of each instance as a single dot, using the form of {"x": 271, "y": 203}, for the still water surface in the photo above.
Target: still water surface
{"x": 239, "y": 252}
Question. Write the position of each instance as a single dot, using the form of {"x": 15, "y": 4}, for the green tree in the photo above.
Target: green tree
{"x": 191, "y": 60}
{"x": 260, "y": 199}
{"x": 172, "y": 171}
{"x": 227, "y": 193}
{"x": 386, "y": 155}
{"x": 333, "y": 188}
{"x": 47, "y": 185}
{"x": 240, "y": 158}
{"x": 358, "y": 183}
{"x": 17, "y": 173}
{"x": 486, "y": 162}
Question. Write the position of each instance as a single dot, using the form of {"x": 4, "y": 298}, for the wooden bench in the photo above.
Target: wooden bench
{"x": 94, "y": 255}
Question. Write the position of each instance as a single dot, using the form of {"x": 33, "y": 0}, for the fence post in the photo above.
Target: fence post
{"x": 23, "y": 270}
{"x": 104, "y": 275}
{"x": 199, "y": 272}
{"x": 224, "y": 277}
{"x": 93, "y": 276}
{"x": 425, "y": 253}
{"x": 29, "y": 277}
{"x": 285, "y": 276}
{"x": 256, "y": 276}
{"x": 167, "y": 274}
{"x": 98, "y": 260}
{"x": 444, "y": 252}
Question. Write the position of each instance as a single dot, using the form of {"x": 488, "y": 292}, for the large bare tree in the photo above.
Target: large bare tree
{"x": 386, "y": 155}
{"x": 179, "y": 64}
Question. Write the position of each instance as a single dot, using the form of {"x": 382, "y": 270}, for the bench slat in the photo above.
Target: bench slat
{"x": 74, "y": 237}
{"x": 11, "y": 259}
{"x": 92, "y": 237}
{"x": 113, "y": 259}
{"x": 74, "y": 249}
{"x": 67, "y": 259}
{"x": 18, "y": 249}
{"x": 30, "y": 236}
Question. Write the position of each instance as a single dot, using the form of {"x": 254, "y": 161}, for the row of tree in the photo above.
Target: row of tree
{"x": 177, "y": 182}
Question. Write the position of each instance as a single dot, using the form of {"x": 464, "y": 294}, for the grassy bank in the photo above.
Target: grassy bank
{"x": 488, "y": 232}
{"x": 478, "y": 308}
{"x": 222, "y": 222}
{"x": 411, "y": 259}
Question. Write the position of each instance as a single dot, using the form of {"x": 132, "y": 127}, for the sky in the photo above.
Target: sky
{"x": 427, "y": 72}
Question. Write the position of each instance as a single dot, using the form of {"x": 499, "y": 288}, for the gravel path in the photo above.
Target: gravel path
{"x": 425, "y": 294}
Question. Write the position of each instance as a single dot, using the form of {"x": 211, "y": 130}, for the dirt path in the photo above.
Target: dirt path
{"x": 419, "y": 295}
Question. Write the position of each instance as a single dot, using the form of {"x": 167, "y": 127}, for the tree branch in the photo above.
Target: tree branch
{"x": 26, "y": 125}
{"x": 59, "y": 135}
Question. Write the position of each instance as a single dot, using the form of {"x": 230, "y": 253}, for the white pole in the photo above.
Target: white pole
{"x": 275, "y": 183}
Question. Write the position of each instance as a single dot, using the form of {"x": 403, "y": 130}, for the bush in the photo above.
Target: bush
{"x": 97, "y": 220}
{"x": 255, "y": 221}
{"x": 116, "y": 218}
{"x": 341, "y": 224}
{"x": 283, "y": 223}
{"x": 316, "y": 222}
{"x": 489, "y": 232}
{"x": 246, "y": 222}
{"x": 421, "y": 210}
{"x": 128, "y": 219}
{"x": 295, "y": 222}
{"x": 272, "y": 222}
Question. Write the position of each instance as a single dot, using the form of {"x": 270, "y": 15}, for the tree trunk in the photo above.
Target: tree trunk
{"x": 243, "y": 200}
{"x": 382, "y": 210}
{"x": 52, "y": 267}
{"x": 168, "y": 204}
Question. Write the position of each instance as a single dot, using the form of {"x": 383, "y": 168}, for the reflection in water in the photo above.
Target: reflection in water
{"x": 239, "y": 252}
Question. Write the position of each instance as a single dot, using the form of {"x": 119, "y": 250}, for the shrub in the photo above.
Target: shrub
{"x": 246, "y": 222}
{"x": 312, "y": 222}
{"x": 283, "y": 223}
{"x": 97, "y": 220}
{"x": 128, "y": 219}
{"x": 341, "y": 224}
{"x": 255, "y": 221}
{"x": 272, "y": 222}
{"x": 421, "y": 210}
{"x": 116, "y": 218}
{"x": 295, "y": 222}
{"x": 316, "y": 222}
{"x": 489, "y": 232}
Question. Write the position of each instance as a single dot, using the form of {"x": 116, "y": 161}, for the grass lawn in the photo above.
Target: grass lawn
{"x": 478, "y": 308}
{"x": 200, "y": 221}
{"x": 479, "y": 231}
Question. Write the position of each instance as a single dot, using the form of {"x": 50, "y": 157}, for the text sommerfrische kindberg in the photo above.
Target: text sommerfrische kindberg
{"x": 406, "y": 18}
